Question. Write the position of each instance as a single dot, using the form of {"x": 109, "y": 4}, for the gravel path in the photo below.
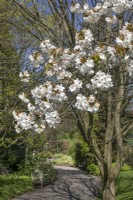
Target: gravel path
{"x": 72, "y": 184}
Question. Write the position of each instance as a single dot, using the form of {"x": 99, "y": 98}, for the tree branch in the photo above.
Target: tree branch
{"x": 79, "y": 124}
{"x": 130, "y": 127}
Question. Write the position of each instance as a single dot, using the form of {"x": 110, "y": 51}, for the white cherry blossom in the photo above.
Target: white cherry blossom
{"x": 102, "y": 81}
{"x": 24, "y": 76}
{"x": 23, "y": 98}
{"x": 87, "y": 104}
{"x": 77, "y": 76}
{"x": 75, "y": 8}
{"x": 46, "y": 46}
{"x": 36, "y": 59}
{"x": 52, "y": 118}
{"x": 76, "y": 86}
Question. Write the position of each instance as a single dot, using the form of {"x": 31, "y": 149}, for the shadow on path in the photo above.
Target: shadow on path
{"x": 72, "y": 184}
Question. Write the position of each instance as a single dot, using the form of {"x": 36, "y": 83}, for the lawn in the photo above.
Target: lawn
{"x": 13, "y": 185}
{"x": 125, "y": 186}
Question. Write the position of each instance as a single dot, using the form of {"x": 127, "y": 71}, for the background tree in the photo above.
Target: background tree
{"x": 9, "y": 66}
{"x": 10, "y": 86}
{"x": 17, "y": 38}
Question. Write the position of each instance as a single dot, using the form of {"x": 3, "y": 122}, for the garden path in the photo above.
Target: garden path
{"x": 72, "y": 184}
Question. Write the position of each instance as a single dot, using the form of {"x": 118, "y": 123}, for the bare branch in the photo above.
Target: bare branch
{"x": 129, "y": 128}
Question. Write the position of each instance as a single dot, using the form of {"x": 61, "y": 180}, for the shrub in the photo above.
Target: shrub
{"x": 93, "y": 169}
{"x": 62, "y": 159}
{"x": 82, "y": 155}
{"x": 47, "y": 171}
{"x": 2, "y": 169}
{"x": 126, "y": 167}
{"x": 38, "y": 162}
{"x": 10, "y": 157}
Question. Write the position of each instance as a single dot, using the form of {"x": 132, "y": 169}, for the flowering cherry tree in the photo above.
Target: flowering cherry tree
{"x": 93, "y": 77}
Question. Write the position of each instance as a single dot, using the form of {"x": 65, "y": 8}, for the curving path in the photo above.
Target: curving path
{"x": 72, "y": 184}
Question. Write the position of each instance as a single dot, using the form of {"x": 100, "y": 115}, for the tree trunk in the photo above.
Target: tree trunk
{"x": 109, "y": 191}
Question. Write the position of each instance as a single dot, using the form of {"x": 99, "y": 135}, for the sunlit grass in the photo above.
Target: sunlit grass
{"x": 124, "y": 185}
{"x": 13, "y": 185}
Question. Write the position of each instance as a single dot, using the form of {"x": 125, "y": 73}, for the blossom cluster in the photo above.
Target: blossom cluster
{"x": 49, "y": 91}
{"x": 125, "y": 37}
{"x": 90, "y": 15}
{"x": 101, "y": 81}
{"x": 93, "y": 15}
{"x": 24, "y": 121}
{"x": 83, "y": 39}
{"x": 24, "y": 76}
{"x": 75, "y": 87}
{"x": 75, "y": 76}
{"x": 88, "y": 104}
{"x": 36, "y": 59}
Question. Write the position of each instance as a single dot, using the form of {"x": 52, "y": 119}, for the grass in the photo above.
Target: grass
{"x": 13, "y": 185}
{"x": 124, "y": 184}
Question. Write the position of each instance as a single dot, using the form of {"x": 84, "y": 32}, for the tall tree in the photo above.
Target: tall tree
{"x": 99, "y": 60}
{"x": 9, "y": 68}
{"x": 10, "y": 85}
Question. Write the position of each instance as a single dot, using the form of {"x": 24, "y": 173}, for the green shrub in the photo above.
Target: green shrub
{"x": 126, "y": 167}
{"x": 93, "y": 169}
{"x": 10, "y": 157}
{"x": 2, "y": 169}
{"x": 62, "y": 159}
{"x": 82, "y": 155}
{"x": 48, "y": 171}
{"x": 39, "y": 161}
